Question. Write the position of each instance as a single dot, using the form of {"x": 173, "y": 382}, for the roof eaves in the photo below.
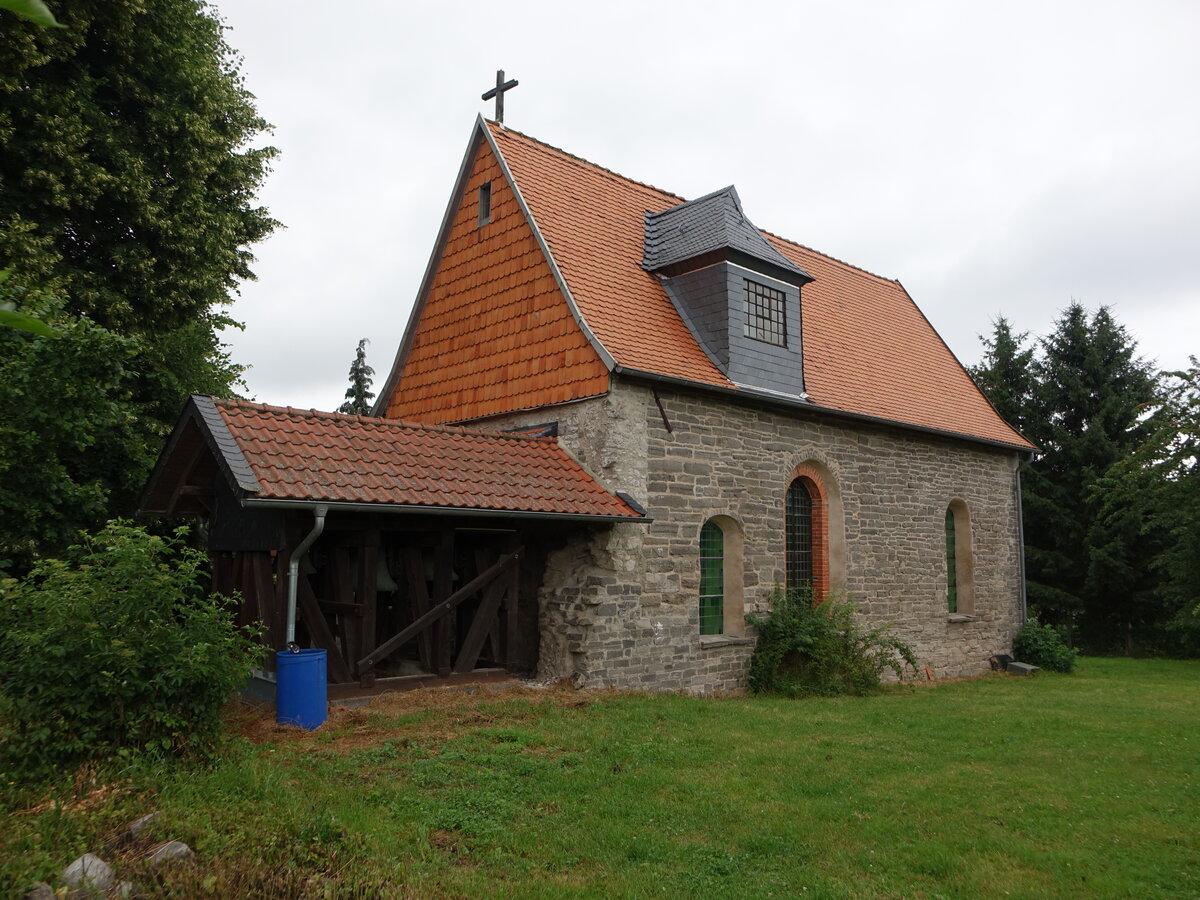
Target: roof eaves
{"x": 601, "y": 351}
{"x": 201, "y": 410}
{"x": 225, "y": 448}
{"x": 400, "y": 508}
{"x": 796, "y": 403}
{"x": 1032, "y": 447}
{"x": 389, "y": 386}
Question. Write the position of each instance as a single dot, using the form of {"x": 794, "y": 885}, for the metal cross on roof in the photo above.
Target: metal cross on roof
{"x": 498, "y": 93}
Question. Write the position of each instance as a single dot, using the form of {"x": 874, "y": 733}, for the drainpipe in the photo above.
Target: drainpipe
{"x": 1021, "y": 546}
{"x": 294, "y": 574}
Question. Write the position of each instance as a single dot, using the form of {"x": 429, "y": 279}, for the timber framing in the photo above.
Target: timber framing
{"x": 431, "y": 558}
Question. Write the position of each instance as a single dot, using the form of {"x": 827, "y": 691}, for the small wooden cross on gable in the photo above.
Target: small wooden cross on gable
{"x": 498, "y": 93}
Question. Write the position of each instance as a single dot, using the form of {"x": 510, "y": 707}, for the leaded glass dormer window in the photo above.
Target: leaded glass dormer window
{"x": 766, "y": 316}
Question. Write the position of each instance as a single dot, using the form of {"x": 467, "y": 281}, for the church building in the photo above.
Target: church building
{"x": 669, "y": 413}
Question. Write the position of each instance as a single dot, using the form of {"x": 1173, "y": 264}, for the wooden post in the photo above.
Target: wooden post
{"x": 442, "y": 610}
{"x": 481, "y": 625}
{"x": 320, "y": 632}
{"x": 338, "y": 589}
{"x": 414, "y": 570}
{"x": 368, "y": 565}
{"x": 264, "y": 590}
{"x": 443, "y": 583}
{"x": 512, "y": 601}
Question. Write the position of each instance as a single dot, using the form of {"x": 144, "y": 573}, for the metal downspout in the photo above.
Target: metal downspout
{"x": 294, "y": 573}
{"x": 1021, "y": 545}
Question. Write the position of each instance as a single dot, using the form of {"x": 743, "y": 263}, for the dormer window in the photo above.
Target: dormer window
{"x": 734, "y": 289}
{"x": 766, "y": 316}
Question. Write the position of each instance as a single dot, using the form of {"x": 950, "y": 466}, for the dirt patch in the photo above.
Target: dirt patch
{"x": 418, "y": 715}
{"x": 88, "y": 792}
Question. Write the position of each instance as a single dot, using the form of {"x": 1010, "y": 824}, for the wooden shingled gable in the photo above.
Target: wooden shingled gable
{"x": 551, "y": 298}
{"x": 492, "y": 329}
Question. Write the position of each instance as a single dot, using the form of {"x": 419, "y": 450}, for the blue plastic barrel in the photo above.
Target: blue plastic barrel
{"x": 300, "y": 692}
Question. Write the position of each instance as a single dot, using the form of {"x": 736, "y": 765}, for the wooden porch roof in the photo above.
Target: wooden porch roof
{"x": 280, "y": 456}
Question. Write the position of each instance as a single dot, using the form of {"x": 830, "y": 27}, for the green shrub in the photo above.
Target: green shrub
{"x": 116, "y": 651}
{"x": 1042, "y": 645}
{"x": 806, "y": 650}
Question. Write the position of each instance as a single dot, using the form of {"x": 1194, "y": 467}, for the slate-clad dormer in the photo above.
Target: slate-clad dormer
{"x": 736, "y": 292}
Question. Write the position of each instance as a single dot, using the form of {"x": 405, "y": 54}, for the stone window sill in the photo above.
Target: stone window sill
{"x": 961, "y": 617}
{"x": 710, "y": 641}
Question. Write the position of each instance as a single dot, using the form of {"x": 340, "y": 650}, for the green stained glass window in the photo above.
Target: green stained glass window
{"x": 712, "y": 579}
{"x": 799, "y": 536}
{"x": 951, "y": 566}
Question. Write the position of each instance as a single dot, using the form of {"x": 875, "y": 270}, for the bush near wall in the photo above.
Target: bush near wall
{"x": 117, "y": 650}
{"x": 1042, "y": 645}
{"x": 821, "y": 650}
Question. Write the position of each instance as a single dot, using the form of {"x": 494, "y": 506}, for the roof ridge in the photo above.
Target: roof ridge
{"x": 587, "y": 162}
{"x": 836, "y": 259}
{"x": 372, "y": 420}
{"x": 683, "y": 200}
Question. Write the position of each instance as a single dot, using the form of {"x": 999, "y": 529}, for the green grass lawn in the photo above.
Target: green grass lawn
{"x": 1052, "y": 786}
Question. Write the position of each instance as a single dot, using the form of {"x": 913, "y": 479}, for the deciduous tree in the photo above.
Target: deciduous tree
{"x": 1157, "y": 490}
{"x": 127, "y": 182}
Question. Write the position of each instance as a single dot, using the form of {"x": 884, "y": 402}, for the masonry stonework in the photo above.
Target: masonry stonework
{"x": 619, "y": 605}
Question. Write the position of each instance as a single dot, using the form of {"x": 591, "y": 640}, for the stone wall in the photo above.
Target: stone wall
{"x": 619, "y": 605}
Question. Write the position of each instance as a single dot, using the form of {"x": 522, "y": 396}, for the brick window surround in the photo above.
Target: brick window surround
{"x": 812, "y": 482}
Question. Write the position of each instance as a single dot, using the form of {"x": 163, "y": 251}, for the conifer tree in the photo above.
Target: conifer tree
{"x": 1088, "y": 409}
{"x": 359, "y": 395}
{"x": 1005, "y": 373}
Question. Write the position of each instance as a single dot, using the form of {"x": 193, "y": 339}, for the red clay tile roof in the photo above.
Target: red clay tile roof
{"x": 592, "y": 221}
{"x": 867, "y": 349}
{"x": 332, "y": 458}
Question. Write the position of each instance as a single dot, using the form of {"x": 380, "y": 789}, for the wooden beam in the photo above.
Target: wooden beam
{"x": 338, "y": 577}
{"x": 442, "y": 609}
{"x": 319, "y": 630}
{"x": 485, "y": 617}
{"x": 443, "y": 581}
{"x": 333, "y": 606}
{"x": 414, "y": 570}
{"x": 194, "y": 455}
{"x": 512, "y": 601}
{"x": 368, "y": 574}
{"x": 264, "y": 590}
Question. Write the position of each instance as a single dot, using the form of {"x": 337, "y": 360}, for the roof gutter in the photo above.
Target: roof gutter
{"x": 266, "y": 503}
{"x": 749, "y": 393}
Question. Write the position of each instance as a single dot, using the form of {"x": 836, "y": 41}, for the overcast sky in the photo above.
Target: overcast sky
{"x": 998, "y": 159}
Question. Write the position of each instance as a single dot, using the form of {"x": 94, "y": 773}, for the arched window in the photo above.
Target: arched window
{"x": 960, "y": 560}
{"x": 799, "y": 536}
{"x": 951, "y": 564}
{"x": 722, "y": 602}
{"x": 712, "y": 579}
